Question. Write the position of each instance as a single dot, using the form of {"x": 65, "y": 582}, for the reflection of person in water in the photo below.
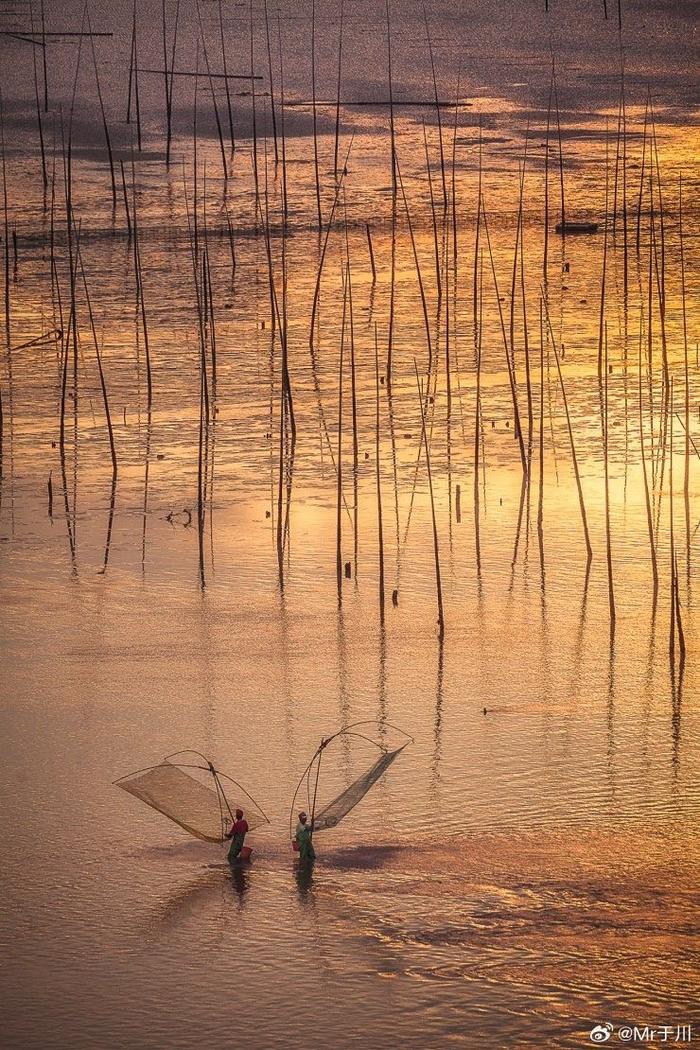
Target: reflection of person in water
{"x": 304, "y": 839}
{"x": 305, "y": 879}
{"x": 239, "y": 878}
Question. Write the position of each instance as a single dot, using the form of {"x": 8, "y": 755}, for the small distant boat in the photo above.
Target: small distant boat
{"x": 577, "y": 227}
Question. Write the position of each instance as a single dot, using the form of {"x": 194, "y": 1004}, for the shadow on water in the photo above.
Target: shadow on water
{"x": 194, "y": 851}
{"x": 216, "y": 888}
{"x": 362, "y": 858}
{"x": 192, "y": 900}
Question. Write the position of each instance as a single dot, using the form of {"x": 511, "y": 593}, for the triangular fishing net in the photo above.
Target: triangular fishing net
{"x": 202, "y": 810}
{"x": 334, "y": 812}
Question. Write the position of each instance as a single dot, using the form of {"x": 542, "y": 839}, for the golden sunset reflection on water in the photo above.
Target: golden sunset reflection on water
{"x": 257, "y": 555}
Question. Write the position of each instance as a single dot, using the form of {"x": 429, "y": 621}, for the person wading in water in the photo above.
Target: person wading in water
{"x": 237, "y": 834}
{"x": 304, "y": 840}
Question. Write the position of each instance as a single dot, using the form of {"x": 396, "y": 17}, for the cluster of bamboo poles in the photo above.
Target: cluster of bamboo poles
{"x": 440, "y": 304}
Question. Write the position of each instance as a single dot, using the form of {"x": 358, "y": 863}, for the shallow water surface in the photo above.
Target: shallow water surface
{"x": 528, "y": 867}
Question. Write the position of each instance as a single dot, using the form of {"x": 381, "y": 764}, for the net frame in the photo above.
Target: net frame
{"x": 217, "y": 791}
{"x": 314, "y": 767}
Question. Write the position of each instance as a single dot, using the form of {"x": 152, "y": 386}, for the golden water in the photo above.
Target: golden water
{"x": 528, "y": 867}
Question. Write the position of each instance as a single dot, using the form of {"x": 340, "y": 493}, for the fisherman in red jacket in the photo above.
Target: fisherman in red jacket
{"x": 237, "y": 834}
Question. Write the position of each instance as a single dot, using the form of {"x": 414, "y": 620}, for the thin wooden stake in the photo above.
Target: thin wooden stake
{"x": 572, "y": 443}
{"x": 337, "y": 100}
{"x": 313, "y": 105}
{"x": 371, "y": 254}
{"x": 436, "y": 548}
{"x": 380, "y": 526}
{"x": 226, "y": 79}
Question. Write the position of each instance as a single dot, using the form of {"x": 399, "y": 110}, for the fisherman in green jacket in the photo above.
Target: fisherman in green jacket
{"x": 304, "y": 839}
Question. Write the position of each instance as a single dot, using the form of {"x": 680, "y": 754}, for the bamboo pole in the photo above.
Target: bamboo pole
{"x": 337, "y": 98}
{"x": 572, "y": 443}
{"x": 647, "y": 495}
{"x": 608, "y": 537}
{"x": 540, "y": 476}
{"x": 455, "y": 227}
{"x": 561, "y": 158}
{"x": 371, "y": 254}
{"x": 545, "y": 250}
{"x": 392, "y": 127}
{"x": 625, "y": 267}
{"x": 268, "y": 251}
{"x": 285, "y": 212}
{"x": 270, "y": 74}
{"x": 478, "y": 329}
{"x": 43, "y": 56}
{"x": 100, "y": 370}
{"x": 679, "y": 623}
{"x": 448, "y": 361}
{"x": 131, "y": 62}
{"x": 520, "y": 258}
{"x": 437, "y": 109}
{"x": 171, "y": 77}
{"x": 40, "y": 127}
{"x": 436, "y": 549}
{"x": 56, "y": 299}
{"x": 313, "y": 109}
{"x": 686, "y": 466}
{"x": 140, "y": 297}
{"x": 642, "y": 174}
{"x": 6, "y": 239}
{"x": 125, "y": 197}
{"x": 526, "y": 347}
{"x": 226, "y": 83}
{"x": 601, "y": 312}
{"x": 672, "y": 621}
{"x": 476, "y": 234}
{"x": 511, "y": 369}
{"x": 280, "y": 531}
{"x": 518, "y": 228}
{"x": 72, "y": 263}
{"x": 212, "y": 320}
{"x": 217, "y": 118}
{"x": 421, "y": 286}
{"x": 105, "y": 127}
{"x": 650, "y": 343}
{"x": 319, "y": 272}
{"x": 656, "y": 168}
{"x": 339, "y": 463}
{"x": 380, "y": 525}
{"x": 168, "y": 97}
{"x": 355, "y": 444}
{"x": 438, "y": 281}
{"x": 201, "y": 505}
{"x": 392, "y": 285}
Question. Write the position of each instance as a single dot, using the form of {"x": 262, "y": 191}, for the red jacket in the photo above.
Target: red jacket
{"x": 239, "y": 827}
